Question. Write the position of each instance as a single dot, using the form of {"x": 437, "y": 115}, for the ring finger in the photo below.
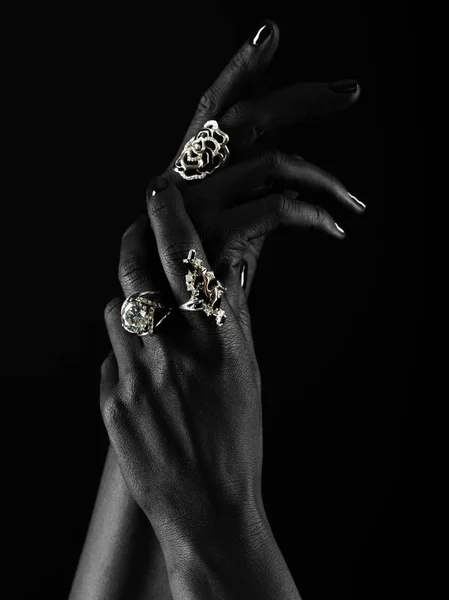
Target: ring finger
{"x": 253, "y": 177}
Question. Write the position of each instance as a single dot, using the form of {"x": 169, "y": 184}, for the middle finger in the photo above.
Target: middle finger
{"x": 253, "y": 177}
{"x": 248, "y": 120}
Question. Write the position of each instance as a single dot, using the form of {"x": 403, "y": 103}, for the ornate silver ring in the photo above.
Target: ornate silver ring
{"x": 204, "y": 153}
{"x": 141, "y": 313}
{"x": 206, "y": 291}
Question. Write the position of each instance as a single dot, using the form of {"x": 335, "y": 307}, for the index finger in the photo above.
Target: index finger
{"x": 248, "y": 63}
{"x": 176, "y": 238}
{"x": 246, "y": 66}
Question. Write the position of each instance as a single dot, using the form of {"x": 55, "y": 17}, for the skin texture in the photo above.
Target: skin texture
{"x": 184, "y": 416}
{"x": 232, "y": 210}
{"x": 203, "y": 382}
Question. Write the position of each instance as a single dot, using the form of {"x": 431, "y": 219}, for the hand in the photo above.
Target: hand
{"x": 183, "y": 407}
{"x": 256, "y": 169}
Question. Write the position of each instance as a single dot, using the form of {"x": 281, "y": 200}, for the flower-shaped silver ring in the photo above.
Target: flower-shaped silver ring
{"x": 204, "y": 153}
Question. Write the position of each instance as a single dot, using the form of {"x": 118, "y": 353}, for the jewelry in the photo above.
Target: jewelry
{"x": 203, "y": 153}
{"x": 140, "y": 314}
{"x": 206, "y": 290}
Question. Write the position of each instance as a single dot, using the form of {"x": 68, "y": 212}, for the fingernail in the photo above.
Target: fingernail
{"x": 339, "y": 228}
{"x": 157, "y": 185}
{"x": 263, "y": 33}
{"x": 243, "y": 273}
{"x": 344, "y": 87}
{"x": 357, "y": 200}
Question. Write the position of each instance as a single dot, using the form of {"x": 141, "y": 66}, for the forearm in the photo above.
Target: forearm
{"x": 231, "y": 567}
{"x": 121, "y": 557}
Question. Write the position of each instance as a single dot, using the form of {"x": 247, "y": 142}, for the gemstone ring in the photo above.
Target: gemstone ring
{"x": 205, "y": 289}
{"x": 140, "y": 314}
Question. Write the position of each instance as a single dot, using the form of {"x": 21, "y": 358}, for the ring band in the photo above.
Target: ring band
{"x": 203, "y": 153}
{"x": 206, "y": 291}
{"x": 141, "y": 315}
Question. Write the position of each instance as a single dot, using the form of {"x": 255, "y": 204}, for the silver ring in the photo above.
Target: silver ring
{"x": 206, "y": 291}
{"x": 204, "y": 153}
{"x": 141, "y": 315}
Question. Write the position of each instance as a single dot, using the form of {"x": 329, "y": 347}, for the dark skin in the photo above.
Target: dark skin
{"x": 185, "y": 420}
{"x": 255, "y": 167}
{"x": 232, "y": 210}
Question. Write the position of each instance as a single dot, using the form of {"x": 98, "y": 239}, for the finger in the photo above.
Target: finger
{"x": 247, "y": 120}
{"x": 242, "y": 224}
{"x": 256, "y": 176}
{"x": 242, "y": 72}
{"x": 175, "y": 236}
{"x": 139, "y": 271}
{"x": 109, "y": 375}
{"x": 124, "y": 345}
{"x": 245, "y": 67}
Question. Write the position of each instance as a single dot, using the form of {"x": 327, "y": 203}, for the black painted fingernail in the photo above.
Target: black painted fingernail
{"x": 340, "y": 229}
{"x": 344, "y": 87}
{"x": 263, "y": 33}
{"x": 359, "y": 202}
{"x": 243, "y": 274}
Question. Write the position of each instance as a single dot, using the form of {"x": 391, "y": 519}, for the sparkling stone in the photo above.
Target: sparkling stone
{"x": 208, "y": 309}
{"x": 138, "y": 317}
{"x": 220, "y": 317}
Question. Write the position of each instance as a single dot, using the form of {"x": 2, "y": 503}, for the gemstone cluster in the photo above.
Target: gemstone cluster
{"x": 137, "y": 313}
{"x": 206, "y": 291}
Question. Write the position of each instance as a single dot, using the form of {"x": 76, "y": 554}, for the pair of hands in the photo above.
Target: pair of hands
{"x": 183, "y": 407}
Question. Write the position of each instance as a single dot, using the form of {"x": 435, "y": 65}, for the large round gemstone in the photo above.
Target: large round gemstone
{"x": 137, "y": 317}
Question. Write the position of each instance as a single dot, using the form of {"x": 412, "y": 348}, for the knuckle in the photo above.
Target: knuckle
{"x": 111, "y": 308}
{"x": 272, "y": 160}
{"x": 208, "y": 103}
{"x": 114, "y": 413}
{"x": 157, "y": 207}
{"x": 173, "y": 254}
{"x": 283, "y": 206}
{"x": 130, "y": 271}
{"x": 131, "y": 395}
{"x": 106, "y": 364}
{"x": 319, "y": 217}
{"x": 235, "y": 114}
{"x": 241, "y": 62}
{"x": 230, "y": 253}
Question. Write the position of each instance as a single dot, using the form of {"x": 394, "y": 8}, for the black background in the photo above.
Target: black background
{"x": 95, "y": 104}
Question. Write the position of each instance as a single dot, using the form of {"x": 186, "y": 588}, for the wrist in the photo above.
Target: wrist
{"x": 183, "y": 520}
{"x": 236, "y": 558}
{"x": 201, "y": 526}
